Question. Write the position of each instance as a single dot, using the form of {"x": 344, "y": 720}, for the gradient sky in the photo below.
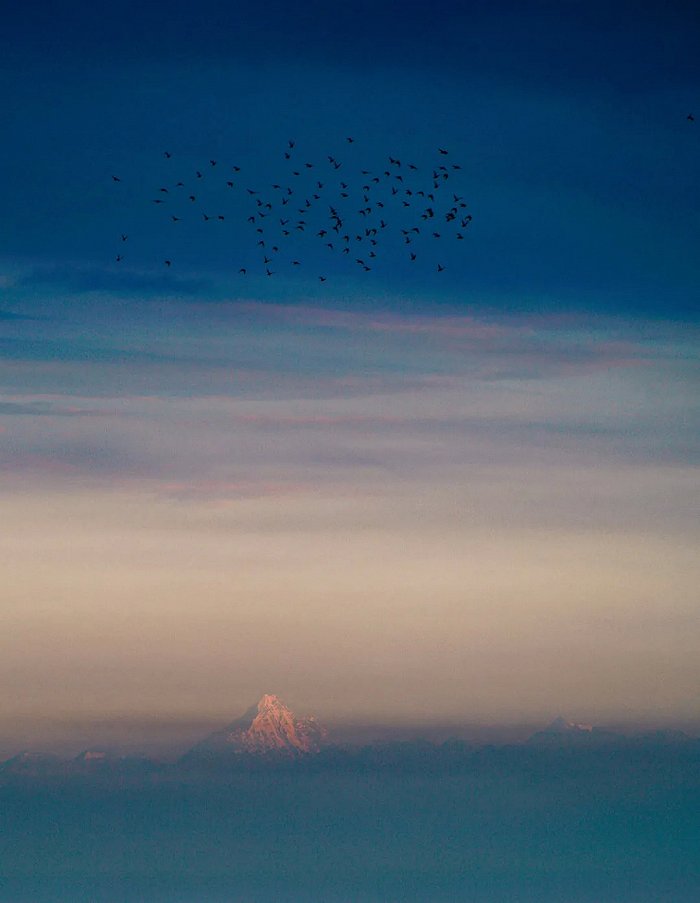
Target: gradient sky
{"x": 388, "y": 497}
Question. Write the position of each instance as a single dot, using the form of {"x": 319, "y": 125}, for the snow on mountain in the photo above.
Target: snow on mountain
{"x": 561, "y": 732}
{"x": 561, "y": 726}
{"x": 266, "y": 727}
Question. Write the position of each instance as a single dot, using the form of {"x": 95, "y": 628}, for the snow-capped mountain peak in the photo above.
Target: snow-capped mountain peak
{"x": 269, "y": 726}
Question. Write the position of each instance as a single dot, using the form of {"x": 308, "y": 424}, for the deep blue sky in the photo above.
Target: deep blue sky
{"x": 569, "y": 119}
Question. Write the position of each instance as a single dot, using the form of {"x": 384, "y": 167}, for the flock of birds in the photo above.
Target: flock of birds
{"x": 349, "y": 212}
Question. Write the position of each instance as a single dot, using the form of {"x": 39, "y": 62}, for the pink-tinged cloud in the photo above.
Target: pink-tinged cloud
{"x": 565, "y": 342}
{"x": 228, "y": 490}
{"x": 305, "y": 315}
{"x": 322, "y": 420}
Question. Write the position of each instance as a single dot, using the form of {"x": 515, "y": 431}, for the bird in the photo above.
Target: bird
{"x": 167, "y": 155}
{"x": 168, "y": 263}
{"x": 442, "y": 151}
{"x": 322, "y": 278}
{"x": 243, "y": 271}
{"x": 124, "y": 237}
{"x": 440, "y": 268}
{"x": 119, "y": 258}
{"x": 690, "y": 117}
{"x": 116, "y": 179}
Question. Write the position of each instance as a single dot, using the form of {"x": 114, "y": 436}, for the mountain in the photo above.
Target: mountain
{"x": 664, "y": 737}
{"x": 266, "y": 727}
{"x": 561, "y": 732}
{"x": 30, "y": 763}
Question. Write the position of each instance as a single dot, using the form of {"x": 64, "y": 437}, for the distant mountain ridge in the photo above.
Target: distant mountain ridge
{"x": 561, "y": 732}
{"x": 269, "y": 732}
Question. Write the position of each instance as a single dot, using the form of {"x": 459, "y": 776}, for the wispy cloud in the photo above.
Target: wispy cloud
{"x": 81, "y": 279}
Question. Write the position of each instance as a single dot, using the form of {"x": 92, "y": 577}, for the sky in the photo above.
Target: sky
{"x": 393, "y": 496}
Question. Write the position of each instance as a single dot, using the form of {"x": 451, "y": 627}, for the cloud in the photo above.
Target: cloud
{"x": 82, "y": 279}
{"x": 47, "y": 409}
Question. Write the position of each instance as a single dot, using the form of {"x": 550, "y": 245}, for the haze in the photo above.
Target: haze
{"x": 386, "y": 499}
